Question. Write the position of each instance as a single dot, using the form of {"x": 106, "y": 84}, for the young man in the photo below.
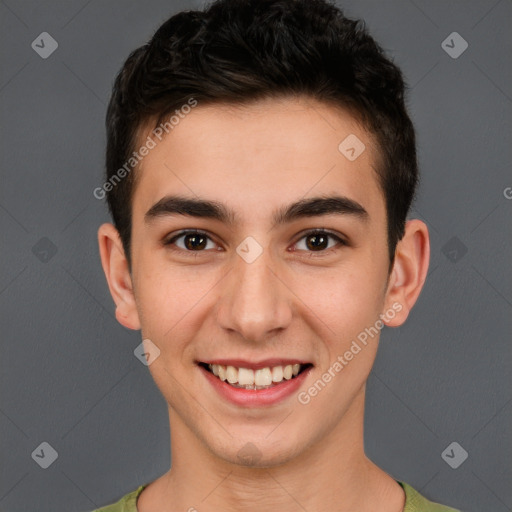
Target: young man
{"x": 260, "y": 168}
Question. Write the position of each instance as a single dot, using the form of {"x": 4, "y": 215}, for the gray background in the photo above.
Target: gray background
{"x": 68, "y": 373}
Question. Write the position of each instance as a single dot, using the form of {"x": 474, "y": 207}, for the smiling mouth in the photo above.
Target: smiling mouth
{"x": 263, "y": 378}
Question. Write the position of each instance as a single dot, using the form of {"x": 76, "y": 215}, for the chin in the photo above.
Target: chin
{"x": 258, "y": 452}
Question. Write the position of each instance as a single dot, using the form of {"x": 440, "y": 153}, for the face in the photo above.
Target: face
{"x": 269, "y": 273}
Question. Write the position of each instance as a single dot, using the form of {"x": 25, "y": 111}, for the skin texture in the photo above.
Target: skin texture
{"x": 303, "y": 303}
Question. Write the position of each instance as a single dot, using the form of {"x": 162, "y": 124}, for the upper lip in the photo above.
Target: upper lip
{"x": 242, "y": 363}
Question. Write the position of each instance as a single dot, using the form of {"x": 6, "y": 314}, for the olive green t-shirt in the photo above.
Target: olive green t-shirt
{"x": 414, "y": 502}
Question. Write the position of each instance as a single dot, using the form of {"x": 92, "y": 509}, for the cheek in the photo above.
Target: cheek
{"x": 163, "y": 299}
{"x": 349, "y": 306}
{"x": 172, "y": 304}
{"x": 348, "y": 299}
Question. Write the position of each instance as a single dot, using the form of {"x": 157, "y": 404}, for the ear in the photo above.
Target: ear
{"x": 412, "y": 256}
{"x": 115, "y": 266}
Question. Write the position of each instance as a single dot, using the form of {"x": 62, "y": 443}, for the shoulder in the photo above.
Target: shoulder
{"x": 415, "y": 502}
{"x": 127, "y": 503}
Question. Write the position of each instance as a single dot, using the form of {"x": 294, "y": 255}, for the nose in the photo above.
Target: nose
{"x": 255, "y": 301}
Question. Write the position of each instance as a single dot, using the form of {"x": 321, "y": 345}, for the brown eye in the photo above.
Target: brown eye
{"x": 195, "y": 241}
{"x": 190, "y": 241}
{"x": 318, "y": 241}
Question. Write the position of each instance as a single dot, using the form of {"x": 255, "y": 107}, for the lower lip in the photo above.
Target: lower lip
{"x": 255, "y": 397}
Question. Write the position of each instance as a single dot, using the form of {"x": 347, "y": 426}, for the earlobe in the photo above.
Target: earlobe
{"x": 409, "y": 271}
{"x": 115, "y": 266}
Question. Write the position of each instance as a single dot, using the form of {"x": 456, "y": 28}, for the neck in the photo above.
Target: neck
{"x": 333, "y": 473}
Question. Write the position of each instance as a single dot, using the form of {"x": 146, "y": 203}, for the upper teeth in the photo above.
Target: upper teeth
{"x": 261, "y": 377}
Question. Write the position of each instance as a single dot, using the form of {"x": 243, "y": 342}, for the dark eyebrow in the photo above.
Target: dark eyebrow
{"x": 316, "y": 206}
{"x": 181, "y": 205}
{"x": 202, "y": 208}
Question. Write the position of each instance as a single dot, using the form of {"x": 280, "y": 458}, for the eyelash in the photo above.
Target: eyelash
{"x": 170, "y": 242}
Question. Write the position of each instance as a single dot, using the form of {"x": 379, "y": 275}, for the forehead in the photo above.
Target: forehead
{"x": 265, "y": 153}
